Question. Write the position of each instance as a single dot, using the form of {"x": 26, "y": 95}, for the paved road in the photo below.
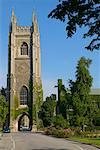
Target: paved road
{"x": 36, "y": 141}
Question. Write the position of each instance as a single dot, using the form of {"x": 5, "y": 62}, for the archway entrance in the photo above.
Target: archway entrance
{"x": 24, "y": 122}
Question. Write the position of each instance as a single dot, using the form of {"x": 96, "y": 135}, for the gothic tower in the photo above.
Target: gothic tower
{"x": 24, "y": 67}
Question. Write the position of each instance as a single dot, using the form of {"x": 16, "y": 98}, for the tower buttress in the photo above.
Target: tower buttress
{"x": 36, "y": 50}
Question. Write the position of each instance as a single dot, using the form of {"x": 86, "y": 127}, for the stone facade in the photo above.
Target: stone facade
{"x": 20, "y": 61}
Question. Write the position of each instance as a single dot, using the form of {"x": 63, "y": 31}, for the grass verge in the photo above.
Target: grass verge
{"x": 92, "y": 141}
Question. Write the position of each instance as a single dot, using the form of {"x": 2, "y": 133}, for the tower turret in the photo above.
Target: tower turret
{"x": 35, "y": 22}
{"x": 13, "y": 21}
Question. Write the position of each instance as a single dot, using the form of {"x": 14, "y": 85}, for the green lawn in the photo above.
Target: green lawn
{"x": 93, "y": 141}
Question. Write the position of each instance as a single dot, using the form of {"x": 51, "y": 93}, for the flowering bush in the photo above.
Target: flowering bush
{"x": 64, "y": 133}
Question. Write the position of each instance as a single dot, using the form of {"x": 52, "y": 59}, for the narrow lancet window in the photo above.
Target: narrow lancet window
{"x": 24, "y": 96}
{"x": 24, "y": 49}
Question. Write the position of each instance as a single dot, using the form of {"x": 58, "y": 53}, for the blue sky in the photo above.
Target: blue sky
{"x": 59, "y": 55}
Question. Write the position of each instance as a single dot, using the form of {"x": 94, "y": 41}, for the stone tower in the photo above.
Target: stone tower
{"x": 24, "y": 67}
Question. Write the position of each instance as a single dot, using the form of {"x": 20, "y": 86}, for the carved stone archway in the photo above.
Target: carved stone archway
{"x": 16, "y": 123}
{"x": 20, "y": 119}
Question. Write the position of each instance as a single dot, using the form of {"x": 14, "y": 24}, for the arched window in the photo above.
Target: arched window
{"x": 24, "y": 49}
{"x": 24, "y": 96}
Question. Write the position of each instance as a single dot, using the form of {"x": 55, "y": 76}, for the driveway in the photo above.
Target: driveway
{"x": 38, "y": 141}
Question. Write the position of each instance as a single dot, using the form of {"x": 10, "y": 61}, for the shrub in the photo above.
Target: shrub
{"x": 61, "y": 133}
{"x": 59, "y": 122}
{"x": 3, "y": 111}
{"x": 91, "y": 134}
{"x": 50, "y": 131}
{"x": 78, "y": 131}
{"x": 40, "y": 124}
{"x": 68, "y": 133}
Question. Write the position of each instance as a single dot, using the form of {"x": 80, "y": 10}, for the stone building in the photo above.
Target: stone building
{"x": 24, "y": 66}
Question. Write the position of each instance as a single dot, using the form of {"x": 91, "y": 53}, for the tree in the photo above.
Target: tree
{"x": 95, "y": 115}
{"x": 3, "y": 91}
{"x": 80, "y": 90}
{"x": 92, "y": 112}
{"x": 80, "y": 13}
{"x": 48, "y": 110}
{"x": 96, "y": 119}
{"x": 3, "y": 111}
{"x": 65, "y": 105}
{"x": 61, "y": 95}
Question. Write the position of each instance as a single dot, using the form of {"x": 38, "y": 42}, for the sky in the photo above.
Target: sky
{"x": 59, "y": 55}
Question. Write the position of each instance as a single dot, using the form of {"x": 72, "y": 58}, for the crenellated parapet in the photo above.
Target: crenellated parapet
{"x": 24, "y": 29}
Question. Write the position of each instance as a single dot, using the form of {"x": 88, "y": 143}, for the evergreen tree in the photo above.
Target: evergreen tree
{"x": 61, "y": 96}
{"x": 80, "y": 90}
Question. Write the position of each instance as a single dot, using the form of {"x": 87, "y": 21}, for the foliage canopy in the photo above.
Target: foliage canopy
{"x": 48, "y": 111}
{"x": 80, "y": 90}
{"x": 80, "y": 13}
{"x": 3, "y": 111}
